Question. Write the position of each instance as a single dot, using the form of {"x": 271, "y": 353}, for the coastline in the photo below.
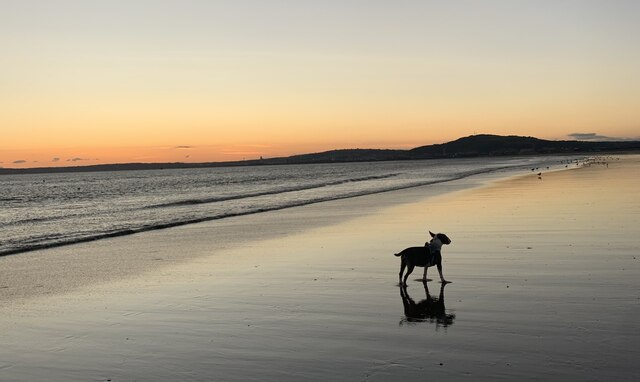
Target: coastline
{"x": 310, "y": 292}
{"x": 474, "y": 146}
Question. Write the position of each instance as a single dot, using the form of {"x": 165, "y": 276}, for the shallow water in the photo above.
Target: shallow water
{"x": 44, "y": 210}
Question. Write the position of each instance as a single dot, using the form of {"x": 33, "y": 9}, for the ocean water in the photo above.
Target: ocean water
{"x": 45, "y": 210}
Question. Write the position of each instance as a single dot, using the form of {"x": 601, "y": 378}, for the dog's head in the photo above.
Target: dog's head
{"x": 444, "y": 239}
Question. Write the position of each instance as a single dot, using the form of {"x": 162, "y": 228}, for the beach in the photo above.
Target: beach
{"x": 544, "y": 287}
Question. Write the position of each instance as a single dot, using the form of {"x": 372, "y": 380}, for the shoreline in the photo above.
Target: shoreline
{"x": 169, "y": 225}
{"x": 488, "y": 172}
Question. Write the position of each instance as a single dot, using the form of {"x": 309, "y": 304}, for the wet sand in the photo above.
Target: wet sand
{"x": 545, "y": 287}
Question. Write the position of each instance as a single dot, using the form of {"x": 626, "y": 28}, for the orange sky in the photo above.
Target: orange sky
{"x": 204, "y": 81}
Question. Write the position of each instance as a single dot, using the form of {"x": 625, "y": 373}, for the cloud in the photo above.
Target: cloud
{"x": 19, "y": 161}
{"x": 76, "y": 159}
{"x": 183, "y": 147}
{"x": 56, "y": 159}
{"x": 594, "y": 137}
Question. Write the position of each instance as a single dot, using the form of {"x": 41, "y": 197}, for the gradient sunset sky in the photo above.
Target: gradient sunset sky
{"x": 86, "y": 82}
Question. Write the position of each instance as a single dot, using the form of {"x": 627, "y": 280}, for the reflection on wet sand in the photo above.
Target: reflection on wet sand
{"x": 430, "y": 309}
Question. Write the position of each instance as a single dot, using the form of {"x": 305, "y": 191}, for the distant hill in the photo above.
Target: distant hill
{"x": 471, "y": 146}
{"x": 493, "y": 145}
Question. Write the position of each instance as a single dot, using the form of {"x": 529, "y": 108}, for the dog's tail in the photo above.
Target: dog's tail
{"x": 397, "y": 254}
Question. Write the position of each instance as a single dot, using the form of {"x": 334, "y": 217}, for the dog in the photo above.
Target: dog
{"x": 426, "y": 257}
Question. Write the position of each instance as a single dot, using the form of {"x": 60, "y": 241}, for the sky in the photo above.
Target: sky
{"x": 87, "y": 82}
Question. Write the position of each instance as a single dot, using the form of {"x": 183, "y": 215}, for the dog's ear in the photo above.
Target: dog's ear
{"x": 432, "y": 234}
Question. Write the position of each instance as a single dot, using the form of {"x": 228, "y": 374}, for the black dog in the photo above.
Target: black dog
{"x": 426, "y": 257}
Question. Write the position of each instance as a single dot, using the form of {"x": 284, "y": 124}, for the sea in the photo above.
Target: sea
{"x": 46, "y": 210}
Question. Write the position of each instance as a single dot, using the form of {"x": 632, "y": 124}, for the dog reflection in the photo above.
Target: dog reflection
{"x": 430, "y": 309}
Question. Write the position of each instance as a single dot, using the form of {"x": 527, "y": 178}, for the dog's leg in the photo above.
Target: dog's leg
{"x": 409, "y": 270}
{"x": 424, "y": 275}
{"x": 441, "y": 276}
{"x": 403, "y": 264}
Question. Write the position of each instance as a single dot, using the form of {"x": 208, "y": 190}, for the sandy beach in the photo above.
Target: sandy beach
{"x": 545, "y": 286}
